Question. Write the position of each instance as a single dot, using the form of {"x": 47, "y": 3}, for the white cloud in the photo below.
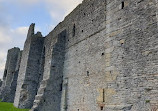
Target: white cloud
{"x": 20, "y": 30}
{"x": 4, "y": 37}
{"x": 58, "y": 9}
{"x": 18, "y": 36}
{"x": 10, "y": 38}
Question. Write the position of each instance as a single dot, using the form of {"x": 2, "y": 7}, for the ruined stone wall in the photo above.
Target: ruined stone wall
{"x": 11, "y": 93}
{"x": 0, "y": 87}
{"x": 1, "y": 82}
{"x": 103, "y": 56}
{"x": 49, "y": 93}
{"x": 68, "y": 24}
{"x": 134, "y": 53}
{"x": 28, "y": 79}
{"x": 4, "y": 75}
{"x": 46, "y": 72}
{"x": 13, "y": 57}
{"x": 9, "y": 72}
{"x": 110, "y": 58}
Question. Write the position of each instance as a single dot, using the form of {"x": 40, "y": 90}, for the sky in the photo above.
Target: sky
{"x": 17, "y": 15}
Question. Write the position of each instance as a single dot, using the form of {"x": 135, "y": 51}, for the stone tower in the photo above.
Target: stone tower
{"x": 28, "y": 78}
{"x": 11, "y": 93}
{"x": 11, "y": 68}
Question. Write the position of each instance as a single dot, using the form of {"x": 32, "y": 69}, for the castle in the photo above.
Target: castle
{"x": 102, "y": 57}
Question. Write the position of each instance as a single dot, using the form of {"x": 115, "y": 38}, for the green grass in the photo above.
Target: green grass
{"x": 9, "y": 107}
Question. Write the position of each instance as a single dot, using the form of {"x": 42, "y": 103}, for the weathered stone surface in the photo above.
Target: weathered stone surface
{"x": 11, "y": 92}
{"x": 0, "y": 87}
{"x": 28, "y": 78}
{"x": 1, "y": 82}
{"x": 49, "y": 94}
{"x": 12, "y": 63}
{"x": 103, "y": 56}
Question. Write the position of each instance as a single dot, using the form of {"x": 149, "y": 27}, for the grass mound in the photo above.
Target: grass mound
{"x": 9, "y": 107}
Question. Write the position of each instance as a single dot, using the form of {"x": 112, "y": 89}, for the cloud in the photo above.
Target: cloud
{"x": 4, "y": 37}
{"x": 10, "y": 38}
{"x": 20, "y": 30}
{"x": 58, "y": 9}
{"x": 15, "y": 37}
{"x": 19, "y": 36}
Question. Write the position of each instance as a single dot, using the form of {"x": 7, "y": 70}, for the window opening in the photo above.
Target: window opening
{"x": 61, "y": 86}
{"x": 103, "y": 95}
{"x": 122, "y": 5}
{"x": 101, "y": 108}
{"x": 74, "y": 30}
{"x": 87, "y": 73}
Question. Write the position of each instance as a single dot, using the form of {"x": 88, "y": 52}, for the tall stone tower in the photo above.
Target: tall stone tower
{"x": 11, "y": 93}
{"x": 28, "y": 78}
{"x": 9, "y": 73}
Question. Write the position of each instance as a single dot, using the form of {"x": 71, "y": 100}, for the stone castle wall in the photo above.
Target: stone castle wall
{"x": 10, "y": 72}
{"x": 28, "y": 78}
{"x": 103, "y": 56}
{"x": 14, "y": 80}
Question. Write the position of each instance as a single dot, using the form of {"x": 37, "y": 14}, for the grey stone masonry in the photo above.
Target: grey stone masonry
{"x": 9, "y": 72}
{"x": 28, "y": 78}
{"x": 11, "y": 92}
{"x": 102, "y": 57}
{"x": 48, "y": 97}
{"x": 0, "y": 87}
{"x": 110, "y": 58}
{"x": 0, "y": 82}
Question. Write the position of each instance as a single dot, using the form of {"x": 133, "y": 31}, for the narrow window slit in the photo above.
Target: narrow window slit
{"x": 103, "y": 95}
{"x": 61, "y": 87}
{"x": 74, "y": 30}
{"x": 87, "y": 73}
{"x": 122, "y": 5}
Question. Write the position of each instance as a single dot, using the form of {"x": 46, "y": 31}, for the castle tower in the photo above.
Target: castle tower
{"x": 9, "y": 73}
{"x": 28, "y": 78}
{"x": 11, "y": 93}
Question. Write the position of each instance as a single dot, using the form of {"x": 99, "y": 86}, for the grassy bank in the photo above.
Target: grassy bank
{"x": 9, "y": 107}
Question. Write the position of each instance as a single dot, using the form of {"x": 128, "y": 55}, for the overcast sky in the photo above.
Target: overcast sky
{"x": 17, "y": 15}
